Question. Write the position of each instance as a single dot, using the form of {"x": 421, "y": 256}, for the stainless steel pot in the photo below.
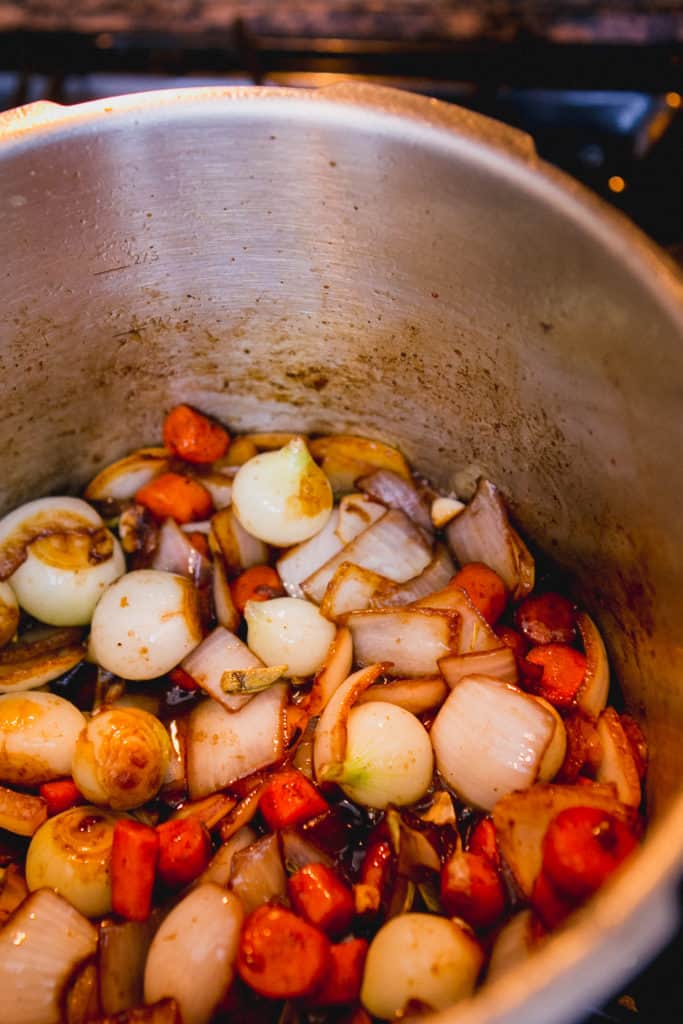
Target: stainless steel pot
{"x": 363, "y": 259}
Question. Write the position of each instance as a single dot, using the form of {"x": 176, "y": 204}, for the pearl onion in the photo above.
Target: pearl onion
{"x": 38, "y": 733}
{"x": 289, "y": 631}
{"x": 9, "y": 614}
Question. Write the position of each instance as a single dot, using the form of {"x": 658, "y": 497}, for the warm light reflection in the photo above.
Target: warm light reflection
{"x": 616, "y": 183}
{"x": 674, "y": 100}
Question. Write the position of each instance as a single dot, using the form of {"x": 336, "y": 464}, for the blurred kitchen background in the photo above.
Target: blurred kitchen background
{"x": 598, "y": 85}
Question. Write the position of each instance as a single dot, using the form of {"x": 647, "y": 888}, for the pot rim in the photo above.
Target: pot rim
{"x": 637, "y": 911}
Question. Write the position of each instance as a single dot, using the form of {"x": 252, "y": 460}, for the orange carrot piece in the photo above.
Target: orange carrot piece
{"x": 288, "y": 798}
{"x": 281, "y": 956}
{"x": 343, "y": 980}
{"x": 472, "y": 889}
{"x": 184, "y": 850}
{"x": 511, "y": 638}
{"x": 485, "y": 589}
{"x": 60, "y": 795}
{"x": 183, "y": 679}
{"x": 550, "y": 906}
{"x": 582, "y": 847}
{"x": 260, "y": 583}
{"x": 483, "y": 841}
{"x": 546, "y": 618}
{"x": 134, "y": 853}
{"x": 199, "y": 542}
{"x": 175, "y": 496}
{"x": 563, "y": 672}
{"x": 318, "y": 894}
{"x": 194, "y": 437}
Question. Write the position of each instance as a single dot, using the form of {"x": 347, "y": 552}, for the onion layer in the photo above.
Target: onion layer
{"x": 40, "y": 655}
{"x": 412, "y": 639}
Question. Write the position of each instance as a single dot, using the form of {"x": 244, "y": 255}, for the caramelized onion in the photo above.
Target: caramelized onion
{"x": 433, "y": 577}
{"x": 475, "y": 633}
{"x": 356, "y": 513}
{"x": 414, "y": 695}
{"x": 302, "y": 561}
{"x": 21, "y": 813}
{"x": 395, "y": 491}
{"x": 617, "y": 764}
{"x": 496, "y": 664}
{"x": 412, "y": 639}
{"x": 175, "y": 553}
{"x": 220, "y": 652}
{"x": 258, "y": 874}
{"x": 593, "y": 692}
{"x": 350, "y": 589}
{"x": 239, "y": 548}
{"x": 9, "y": 613}
{"x": 329, "y": 748}
{"x": 42, "y": 518}
{"x": 121, "y": 480}
{"x": 38, "y": 734}
{"x": 334, "y": 670}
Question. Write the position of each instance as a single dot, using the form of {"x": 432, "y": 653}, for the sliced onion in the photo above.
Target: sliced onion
{"x": 13, "y": 891}
{"x": 329, "y": 748}
{"x": 350, "y": 589}
{"x": 224, "y": 746}
{"x": 81, "y": 1000}
{"x": 219, "y": 652}
{"x": 512, "y": 946}
{"x": 414, "y": 695}
{"x": 334, "y": 670}
{"x": 42, "y": 518}
{"x": 268, "y": 441}
{"x": 71, "y": 853}
{"x": 258, "y": 874}
{"x": 475, "y": 632}
{"x": 38, "y": 733}
{"x": 9, "y": 614}
{"x": 617, "y": 764}
{"x": 209, "y": 810}
{"x": 593, "y": 692}
{"x": 489, "y": 739}
{"x": 482, "y": 533}
{"x": 393, "y": 547}
{"x": 240, "y": 549}
{"x": 21, "y": 813}
{"x": 412, "y": 847}
{"x": 121, "y": 955}
{"x": 435, "y": 576}
{"x": 175, "y": 553}
{"x": 220, "y": 866}
{"x": 497, "y": 664}
{"x": 444, "y": 509}
{"x": 192, "y": 956}
{"x": 40, "y": 948}
{"x": 395, "y": 491}
{"x": 298, "y": 851}
{"x": 219, "y": 486}
{"x": 39, "y": 656}
{"x": 289, "y": 631}
{"x": 121, "y": 480}
{"x": 346, "y": 457}
{"x": 419, "y": 959}
{"x": 145, "y": 624}
{"x": 412, "y": 639}
{"x": 242, "y": 815}
{"x": 555, "y": 752}
{"x": 521, "y": 821}
{"x": 356, "y": 513}
{"x": 302, "y": 561}
{"x": 138, "y": 531}
{"x": 224, "y": 606}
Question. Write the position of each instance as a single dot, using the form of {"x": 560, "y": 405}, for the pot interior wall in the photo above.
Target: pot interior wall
{"x": 317, "y": 266}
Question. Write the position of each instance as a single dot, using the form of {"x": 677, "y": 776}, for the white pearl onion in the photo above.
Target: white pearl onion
{"x": 38, "y": 734}
{"x": 289, "y": 631}
{"x": 9, "y": 613}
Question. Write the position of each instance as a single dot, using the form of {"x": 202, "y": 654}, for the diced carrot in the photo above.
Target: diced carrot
{"x": 175, "y": 496}
{"x": 563, "y": 672}
{"x": 317, "y": 893}
{"x": 546, "y": 619}
{"x": 485, "y": 589}
{"x": 260, "y": 583}
{"x": 511, "y": 638}
{"x": 184, "y": 850}
{"x": 550, "y": 905}
{"x": 472, "y": 889}
{"x": 377, "y": 874}
{"x": 343, "y": 980}
{"x": 280, "y": 956}
{"x": 582, "y": 846}
{"x": 288, "y": 798}
{"x": 183, "y": 679}
{"x": 134, "y": 852}
{"x": 193, "y": 436}
{"x": 483, "y": 841}
{"x": 60, "y": 795}
{"x": 199, "y": 542}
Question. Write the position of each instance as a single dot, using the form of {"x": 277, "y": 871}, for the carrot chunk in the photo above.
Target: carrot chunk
{"x": 177, "y": 497}
{"x": 485, "y": 589}
{"x": 321, "y": 898}
{"x": 288, "y": 798}
{"x": 582, "y": 847}
{"x": 471, "y": 888}
{"x": 260, "y": 583}
{"x": 200, "y": 543}
{"x": 280, "y": 956}
{"x": 193, "y": 436}
{"x": 343, "y": 980}
{"x": 546, "y": 619}
{"x": 183, "y": 679}
{"x": 60, "y": 795}
{"x": 184, "y": 850}
{"x": 563, "y": 672}
{"x": 550, "y": 905}
{"x": 483, "y": 841}
{"x": 134, "y": 853}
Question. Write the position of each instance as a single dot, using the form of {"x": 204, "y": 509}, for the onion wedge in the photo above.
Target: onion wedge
{"x": 345, "y": 457}
{"x": 482, "y": 533}
{"x": 617, "y": 764}
{"x": 414, "y": 695}
{"x": 258, "y": 874}
{"x": 13, "y": 891}
{"x": 300, "y": 562}
{"x": 393, "y": 546}
{"x": 39, "y": 656}
{"x": 497, "y": 664}
{"x": 40, "y": 947}
{"x": 121, "y": 954}
{"x": 475, "y": 632}
{"x": 224, "y": 746}
{"x": 592, "y": 695}
{"x": 240, "y": 550}
{"x": 413, "y": 639}
{"x": 219, "y": 867}
{"x": 176, "y": 553}
{"x": 395, "y": 491}
{"x": 521, "y": 821}
{"x": 356, "y": 513}
{"x": 220, "y": 652}
{"x": 121, "y": 480}
{"x": 210, "y": 810}
{"x": 335, "y": 669}
{"x": 226, "y": 613}
{"x": 329, "y": 746}
{"x": 21, "y": 813}
{"x": 350, "y": 589}
{"x": 435, "y": 576}
{"x": 219, "y": 486}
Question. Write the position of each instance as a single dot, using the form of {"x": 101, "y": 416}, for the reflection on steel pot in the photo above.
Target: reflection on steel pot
{"x": 360, "y": 259}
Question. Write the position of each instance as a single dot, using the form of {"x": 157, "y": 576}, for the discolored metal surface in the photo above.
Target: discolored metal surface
{"x": 365, "y": 260}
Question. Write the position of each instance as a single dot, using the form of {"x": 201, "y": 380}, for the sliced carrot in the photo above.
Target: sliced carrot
{"x": 582, "y": 847}
{"x": 472, "y": 889}
{"x": 511, "y": 638}
{"x": 280, "y": 956}
{"x": 193, "y": 436}
{"x": 343, "y": 980}
{"x": 134, "y": 852}
{"x": 175, "y": 496}
{"x": 60, "y": 795}
{"x": 563, "y": 672}
{"x": 184, "y": 850}
{"x": 546, "y": 618}
{"x": 260, "y": 583}
{"x": 183, "y": 679}
{"x": 483, "y": 841}
{"x": 288, "y": 798}
{"x": 485, "y": 589}
{"x": 318, "y": 894}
